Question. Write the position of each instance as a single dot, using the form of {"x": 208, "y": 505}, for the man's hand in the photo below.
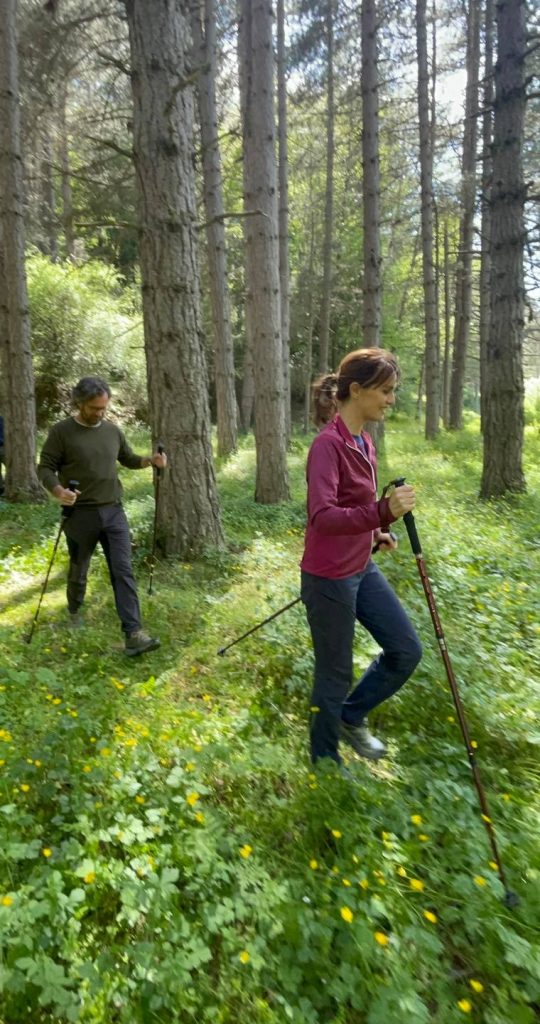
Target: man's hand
{"x": 159, "y": 460}
{"x": 64, "y": 495}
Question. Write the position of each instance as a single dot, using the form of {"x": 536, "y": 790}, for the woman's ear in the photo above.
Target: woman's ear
{"x": 354, "y": 389}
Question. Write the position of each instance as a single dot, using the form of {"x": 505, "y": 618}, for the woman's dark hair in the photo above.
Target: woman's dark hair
{"x": 88, "y": 388}
{"x": 368, "y": 367}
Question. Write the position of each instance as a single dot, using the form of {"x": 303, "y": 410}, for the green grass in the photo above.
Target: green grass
{"x": 168, "y": 855}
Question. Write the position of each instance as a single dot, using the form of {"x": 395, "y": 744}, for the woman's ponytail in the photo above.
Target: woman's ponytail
{"x": 324, "y": 398}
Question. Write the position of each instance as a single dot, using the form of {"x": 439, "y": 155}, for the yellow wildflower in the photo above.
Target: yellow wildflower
{"x": 478, "y": 880}
{"x": 25, "y": 787}
{"x": 476, "y": 986}
{"x": 199, "y": 817}
{"x": 105, "y": 752}
{"x": 47, "y": 852}
{"x": 89, "y": 877}
{"x": 87, "y": 768}
{"x": 192, "y": 799}
{"x": 493, "y": 865}
{"x": 465, "y": 1005}
{"x": 314, "y": 864}
{"x": 346, "y": 882}
{"x": 6, "y": 901}
{"x": 364, "y": 883}
{"x": 416, "y": 819}
{"x": 474, "y": 745}
{"x": 430, "y": 917}
{"x": 416, "y": 884}
{"x": 245, "y": 851}
{"x": 422, "y": 837}
{"x": 381, "y": 938}
{"x": 401, "y": 871}
{"x": 244, "y": 956}
{"x": 140, "y": 799}
{"x": 57, "y": 700}
{"x": 347, "y": 914}
{"x": 336, "y": 833}
{"x": 38, "y": 764}
{"x": 190, "y": 767}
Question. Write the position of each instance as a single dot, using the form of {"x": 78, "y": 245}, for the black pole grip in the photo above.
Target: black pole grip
{"x": 410, "y": 524}
{"x": 72, "y": 486}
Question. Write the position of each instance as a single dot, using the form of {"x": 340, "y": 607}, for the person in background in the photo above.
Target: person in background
{"x": 340, "y": 582}
{"x": 86, "y": 447}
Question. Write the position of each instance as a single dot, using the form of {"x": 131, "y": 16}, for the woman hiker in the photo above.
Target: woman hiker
{"x": 340, "y": 582}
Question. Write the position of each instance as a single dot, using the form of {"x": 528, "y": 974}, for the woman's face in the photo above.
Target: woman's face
{"x": 372, "y": 403}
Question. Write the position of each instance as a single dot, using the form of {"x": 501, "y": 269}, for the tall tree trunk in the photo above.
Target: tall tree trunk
{"x": 205, "y": 49}
{"x": 66, "y": 190}
{"x": 504, "y": 414}
{"x": 262, "y": 250}
{"x": 283, "y": 174}
{"x": 485, "y": 231}
{"x": 431, "y": 361}
{"x": 462, "y": 320}
{"x": 20, "y": 412}
{"x": 308, "y": 366}
{"x": 371, "y": 320}
{"x": 326, "y": 300}
{"x": 446, "y": 358}
{"x": 188, "y": 516}
{"x": 48, "y": 200}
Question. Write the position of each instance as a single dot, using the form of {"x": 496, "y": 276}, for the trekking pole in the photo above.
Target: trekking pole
{"x": 258, "y": 626}
{"x": 511, "y": 899}
{"x": 66, "y": 509}
{"x": 161, "y": 449}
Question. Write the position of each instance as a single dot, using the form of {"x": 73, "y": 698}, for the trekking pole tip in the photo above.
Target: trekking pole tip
{"x": 221, "y": 651}
{"x": 511, "y": 899}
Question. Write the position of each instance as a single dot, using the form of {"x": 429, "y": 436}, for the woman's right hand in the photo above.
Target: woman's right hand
{"x": 402, "y": 500}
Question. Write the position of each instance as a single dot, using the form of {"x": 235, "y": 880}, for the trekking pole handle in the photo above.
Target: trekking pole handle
{"x": 160, "y": 451}
{"x": 72, "y": 486}
{"x": 408, "y": 519}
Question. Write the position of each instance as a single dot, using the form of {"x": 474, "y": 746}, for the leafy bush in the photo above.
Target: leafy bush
{"x": 84, "y": 322}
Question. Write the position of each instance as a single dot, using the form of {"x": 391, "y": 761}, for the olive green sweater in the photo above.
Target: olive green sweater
{"x": 89, "y": 455}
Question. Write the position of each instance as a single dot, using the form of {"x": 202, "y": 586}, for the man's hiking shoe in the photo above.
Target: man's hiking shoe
{"x": 75, "y": 620}
{"x": 140, "y": 642}
{"x": 361, "y": 740}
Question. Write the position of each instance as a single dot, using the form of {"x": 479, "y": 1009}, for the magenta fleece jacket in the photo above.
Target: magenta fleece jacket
{"x": 342, "y": 506}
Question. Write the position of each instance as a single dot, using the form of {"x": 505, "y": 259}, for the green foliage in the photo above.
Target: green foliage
{"x": 168, "y": 854}
{"x": 84, "y": 322}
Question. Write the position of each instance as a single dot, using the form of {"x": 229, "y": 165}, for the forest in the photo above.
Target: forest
{"x": 206, "y": 206}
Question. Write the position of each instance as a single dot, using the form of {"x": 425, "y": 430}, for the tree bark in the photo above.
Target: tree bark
{"x": 485, "y": 230}
{"x": 371, "y": 324}
{"x": 446, "y": 358}
{"x": 188, "y": 516}
{"x": 205, "y": 54}
{"x": 283, "y": 175}
{"x": 20, "y": 413}
{"x": 431, "y": 361}
{"x": 326, "y": 300}
{"x": 66, "y": 189}
{"x": 262, "y": 250}
{"x": 49, "y": 244}
{"x": 462, "y": 320}
{"x": 504, "y": 413}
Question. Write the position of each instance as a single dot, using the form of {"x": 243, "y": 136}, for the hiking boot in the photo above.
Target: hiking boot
{"x": 361, "y": 740}
{"x": 139, "y": 642}
{"x": 75, "y": 620}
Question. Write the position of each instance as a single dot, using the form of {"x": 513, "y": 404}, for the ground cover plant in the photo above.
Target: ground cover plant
{"x": 167, "y": 852}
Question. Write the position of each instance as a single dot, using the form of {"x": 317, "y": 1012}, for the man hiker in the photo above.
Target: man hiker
{"x": 86, "y": 447}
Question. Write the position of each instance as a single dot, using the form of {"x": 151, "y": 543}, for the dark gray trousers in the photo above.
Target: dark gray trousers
{"x": 107, "y": 525}
{"x": 333, "y": 607}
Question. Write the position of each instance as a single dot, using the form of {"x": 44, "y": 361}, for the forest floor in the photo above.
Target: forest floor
{"x": 167, "y": 852}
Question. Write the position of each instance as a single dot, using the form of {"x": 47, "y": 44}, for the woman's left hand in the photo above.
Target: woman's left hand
{"x": 386, "y": 541}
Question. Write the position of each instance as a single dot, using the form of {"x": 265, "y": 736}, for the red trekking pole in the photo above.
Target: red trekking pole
{"x": 510, "y": 898}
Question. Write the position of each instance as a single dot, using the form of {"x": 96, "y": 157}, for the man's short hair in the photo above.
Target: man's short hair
{"x": 88, "y": 388}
